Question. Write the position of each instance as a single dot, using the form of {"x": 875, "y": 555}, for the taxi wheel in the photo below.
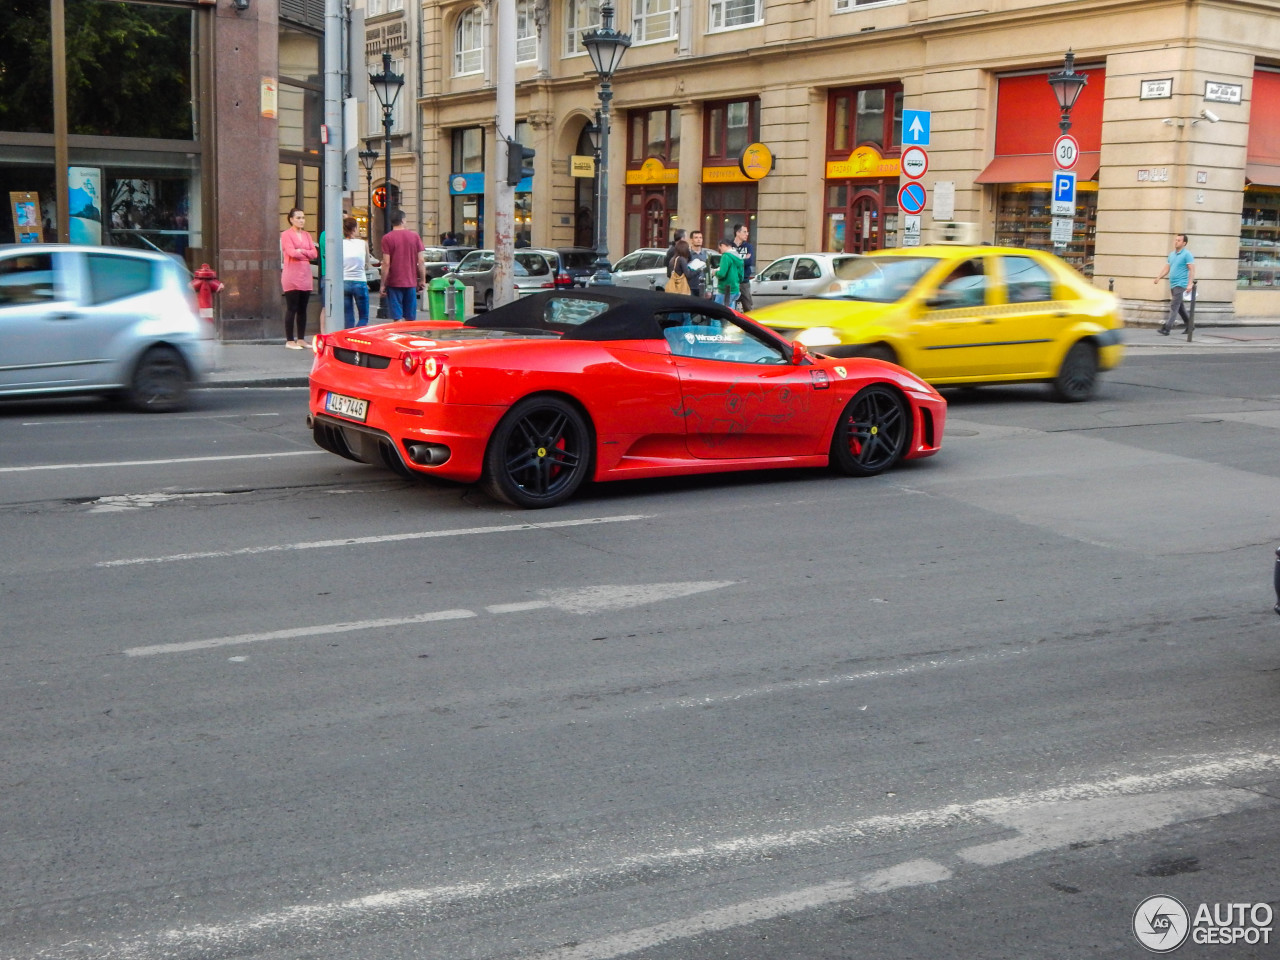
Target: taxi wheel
{"x": 879, "y": 351}
{"x": 539, "y": 454}
{"x": 160, "y": 382}
{"x": 1078, "y": 375}
{"x": 872, "y": 433}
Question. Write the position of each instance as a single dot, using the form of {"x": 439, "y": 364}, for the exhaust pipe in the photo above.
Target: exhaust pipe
{"x": 428, "y": 454}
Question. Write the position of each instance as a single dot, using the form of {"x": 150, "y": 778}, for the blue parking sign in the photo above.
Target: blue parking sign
{"x": 915, "y": 128}
{"x": 1064, "y": 193}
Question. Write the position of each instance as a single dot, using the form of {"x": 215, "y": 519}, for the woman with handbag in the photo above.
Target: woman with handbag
{"x": 297, "y": 250}
{"x": 678, "y": 282}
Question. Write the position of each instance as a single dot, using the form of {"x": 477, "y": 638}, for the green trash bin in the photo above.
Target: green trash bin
{"x": 436, "y": 290}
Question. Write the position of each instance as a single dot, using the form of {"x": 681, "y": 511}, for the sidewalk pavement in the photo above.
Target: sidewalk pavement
{"x": 269, "y": 364}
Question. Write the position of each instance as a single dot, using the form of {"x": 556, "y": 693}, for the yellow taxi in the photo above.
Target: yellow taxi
{"x": 958, "y": 315}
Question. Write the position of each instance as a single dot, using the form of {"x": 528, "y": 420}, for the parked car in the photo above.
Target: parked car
{"x": 578, "y": 262}
{"x": 608, "y": 383}
{"x": 646, "y": 268}
{"x": 533, "y": 270}
{"x": 797, "y": 275}
{"x": 109, "y": 320}
{"x": 440, "y": 260}
{"x": 964, "y": 315}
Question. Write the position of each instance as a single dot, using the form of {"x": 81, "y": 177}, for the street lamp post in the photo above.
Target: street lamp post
{"x": 1067, "y": 85}
{"x": 368, "y": 157}
{"x": 605, "y": 46}
{"x": 387, "y": 87}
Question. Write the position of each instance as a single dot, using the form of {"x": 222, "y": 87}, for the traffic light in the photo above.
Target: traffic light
{"x": 519, "y": 161}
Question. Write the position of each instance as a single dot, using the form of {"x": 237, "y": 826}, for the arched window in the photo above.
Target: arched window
{"x": 526, "y": 32}
{"x": 468, "y": 44}
{"x": 579, "y": 17}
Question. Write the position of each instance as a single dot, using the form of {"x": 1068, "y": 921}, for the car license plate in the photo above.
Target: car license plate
{"x": 349, "y": 407}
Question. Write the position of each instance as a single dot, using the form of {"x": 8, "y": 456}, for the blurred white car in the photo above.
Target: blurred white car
{"x": 797, "y": 275}
{"x": 111, "y": 320}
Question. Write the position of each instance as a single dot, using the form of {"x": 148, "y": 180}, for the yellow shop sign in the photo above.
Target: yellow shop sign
{"x": 652, "y": 171}
{"x": 863, "y": 162}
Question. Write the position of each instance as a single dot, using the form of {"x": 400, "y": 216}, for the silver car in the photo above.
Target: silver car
{"x": 100, "y": 320}
{"x": 646, "y": 268}
{"x": 534, "y": 270}
{"x": 797, "y": 275}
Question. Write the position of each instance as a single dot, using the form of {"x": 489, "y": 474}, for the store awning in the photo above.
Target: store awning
{"x": 1263, "y": 174}
{"x": 1036, "y": 168}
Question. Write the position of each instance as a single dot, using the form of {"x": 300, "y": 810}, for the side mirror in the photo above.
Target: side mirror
{"x": 799, "y": 354}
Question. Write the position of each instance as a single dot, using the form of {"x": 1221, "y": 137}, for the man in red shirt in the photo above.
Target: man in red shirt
{"x": 403, "y": 272}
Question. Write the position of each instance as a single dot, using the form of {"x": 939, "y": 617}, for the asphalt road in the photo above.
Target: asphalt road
{"x": 262, "y": 702}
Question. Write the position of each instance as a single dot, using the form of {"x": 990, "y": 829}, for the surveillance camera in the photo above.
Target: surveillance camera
{"x": 1210, "y": 115}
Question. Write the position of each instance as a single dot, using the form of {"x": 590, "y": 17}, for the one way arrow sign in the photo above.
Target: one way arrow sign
{"x": 915, "y": 127}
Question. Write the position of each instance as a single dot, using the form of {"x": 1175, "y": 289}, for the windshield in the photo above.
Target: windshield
{"x": 878, "y": 279}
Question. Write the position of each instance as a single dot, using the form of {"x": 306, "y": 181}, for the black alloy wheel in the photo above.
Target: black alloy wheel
{"x": 1078, "y": 375}
{"x": 160, "y": 381}
{"x": 539, "y": 454}
{"x": 872, "y": 433}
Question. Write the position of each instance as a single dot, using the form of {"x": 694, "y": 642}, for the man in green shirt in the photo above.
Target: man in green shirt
{"x": 728, "y": 276}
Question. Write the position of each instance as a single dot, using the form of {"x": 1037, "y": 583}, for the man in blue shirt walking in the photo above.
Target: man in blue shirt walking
{"x": 1181, "y": 271}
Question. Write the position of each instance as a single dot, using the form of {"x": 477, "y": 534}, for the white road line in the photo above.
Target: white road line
{"x": 580, "y": 601}
{"x": 1040, "y": 814}
{"x": 293, "y": 633}
{"x": 382, "y": 538}
{"x": 160, "y": 463}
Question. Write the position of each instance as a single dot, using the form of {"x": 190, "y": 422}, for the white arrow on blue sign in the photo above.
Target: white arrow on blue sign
{"x": 915, "y": 127}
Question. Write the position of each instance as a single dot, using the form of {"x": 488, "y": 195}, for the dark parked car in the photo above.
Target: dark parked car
{"x": 440, "y": 260}
{"x": 578, "y": 262}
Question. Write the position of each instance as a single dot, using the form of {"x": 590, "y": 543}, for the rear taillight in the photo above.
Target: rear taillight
{"x": 429, "y": 364}
{"x": 319, "y": 342}
{"x": 562, "y": 280}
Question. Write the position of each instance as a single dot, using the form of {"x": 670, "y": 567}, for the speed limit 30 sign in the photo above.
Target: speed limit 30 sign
{"x": 1066, "y": 151}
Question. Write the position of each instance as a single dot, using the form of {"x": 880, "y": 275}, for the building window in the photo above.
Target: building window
{"x": 730, "y": 128}
{"x": 579, "y": 17}
{"x": 375, "y": 8}
{"x": 468, "y": 150}
{"x": 393, "y": 5}
{"x": 869, "y": 116}
{"x": 726, "y": 14}
{"x": 468, "y": 44}
{"x": 656, "y": 134}
{"x": 526, "y": 33}
{"x": 654, "y": 20}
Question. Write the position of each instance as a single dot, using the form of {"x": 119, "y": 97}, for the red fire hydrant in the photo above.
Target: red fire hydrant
{"x": 206, "y": 284}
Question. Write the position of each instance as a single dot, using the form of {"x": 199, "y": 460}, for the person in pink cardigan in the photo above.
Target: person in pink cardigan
{"x": 297, "y": 250}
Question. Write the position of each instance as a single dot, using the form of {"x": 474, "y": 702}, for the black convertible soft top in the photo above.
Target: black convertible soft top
{"x": 596, "y": 313}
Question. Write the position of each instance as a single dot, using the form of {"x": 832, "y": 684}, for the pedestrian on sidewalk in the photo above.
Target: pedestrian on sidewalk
{"x": 698, "y": 263}
{"x": 297, "y": 250}
{"x": 403, "y": 272}
{"x": 355, "y": 283}
{"x": 728, "y": 276}
{"x": 742, "y": 247}
{"x": 1180, "y": 268}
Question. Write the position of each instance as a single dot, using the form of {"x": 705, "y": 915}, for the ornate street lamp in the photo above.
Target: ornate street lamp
{"x": 387, "y": 87}
{"x": 368, "y": 157}
{"x": 605, "y": 46}
{"x": 1066, "y": 87}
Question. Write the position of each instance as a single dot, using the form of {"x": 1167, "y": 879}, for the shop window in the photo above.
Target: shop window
{"x": 730, "y": 128}
{"x": 299, "y": 56}
{"x": 526, "y": 33}
{"x": 1023, "y": 219}
{"x": 726, "y": 14}
{"x": 468, "y": 43}
{"x": 129, "y": 70}
{"x": 579, "y": 17}
{"x": 869, "y": 116}
{"x": 653, "y": 20}
{"x": 1260, "y": 239}
{"x": 26, "y": 81}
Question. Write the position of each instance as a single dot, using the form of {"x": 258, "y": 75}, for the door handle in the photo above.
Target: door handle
{"x": 64, "y": 316}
